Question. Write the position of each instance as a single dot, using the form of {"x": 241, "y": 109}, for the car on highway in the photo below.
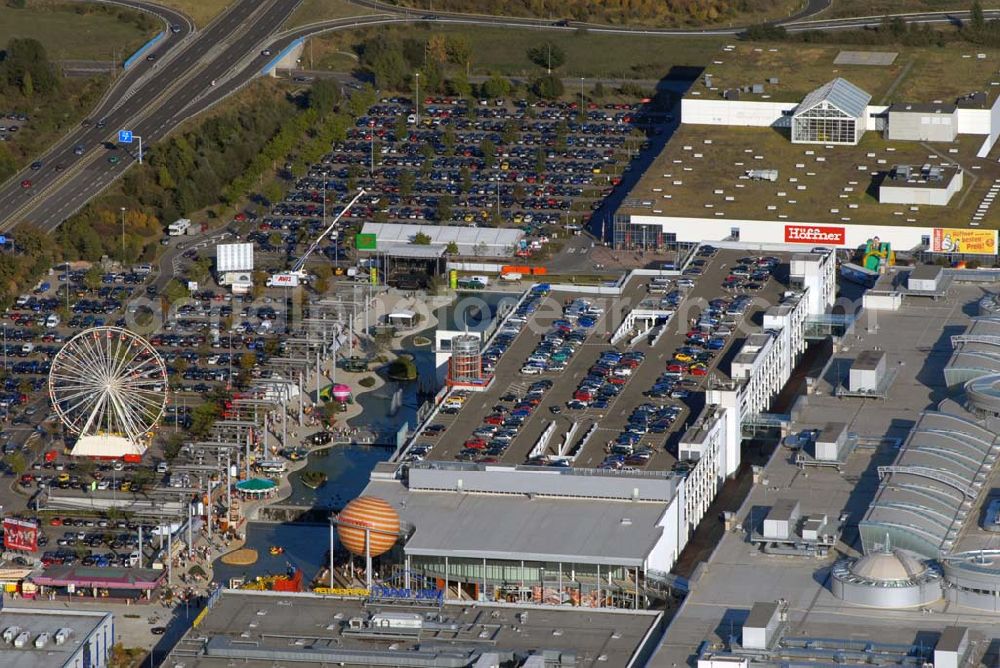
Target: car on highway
{"x": 151, "y": 57}
{"x": 35, "y": 166}
{"x": 266, "y": 52}
{"x": 59, "y": 167}
{"x": 78, "y": 149}
{"x": 114, "y": 160}
{"x": 175, "y": 28}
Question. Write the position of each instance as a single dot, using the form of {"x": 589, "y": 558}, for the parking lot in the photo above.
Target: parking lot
{"x": 713, "y": 316}
{"x": 506, "y": 163}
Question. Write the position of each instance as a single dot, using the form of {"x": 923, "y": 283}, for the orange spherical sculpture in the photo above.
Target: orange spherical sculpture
{"x": 374, "y": 514}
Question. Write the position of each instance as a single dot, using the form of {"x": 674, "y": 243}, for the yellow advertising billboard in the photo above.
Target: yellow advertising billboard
{"x": 957, "y": 240}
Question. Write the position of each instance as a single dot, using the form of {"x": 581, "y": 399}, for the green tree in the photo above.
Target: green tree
{"x": 406, "y": 182}
{"x": 324, "y": 96}
{"x": 548, "y": 87}
{"x": 27, "y": 85}
{"x": 16, "y": 462}
{"x": 443, "y": 213}
{"x": 496, "y": 87}
{"x": 421, "y": 239}
{"x": 465, "y": 174}
{"x": 459, "y": 50}
{"x": 976, "y": 18}
{"x": 92, "y": 279}
{"x": 547, "y": 55}
{"x": 172, "y": 448}
{"x": 488, "y": 150}
{"x": 451, "y": 248}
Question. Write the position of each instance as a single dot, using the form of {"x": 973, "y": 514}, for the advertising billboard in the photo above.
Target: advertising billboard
{"x": 365, "y": 241}
{"x": 815, "y": 234}
{"x": 20, "y": 534}
{"x": 955, "y": 240}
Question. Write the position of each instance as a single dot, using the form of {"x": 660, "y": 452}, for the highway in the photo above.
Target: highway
{"x": 196, "y": 69}
{"x": 144, "y": 100}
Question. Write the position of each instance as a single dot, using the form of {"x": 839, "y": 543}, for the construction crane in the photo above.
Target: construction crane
{"x": 297, "y": 274}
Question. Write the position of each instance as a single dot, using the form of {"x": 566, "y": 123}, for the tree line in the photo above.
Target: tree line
{"x": 671, "y": 12}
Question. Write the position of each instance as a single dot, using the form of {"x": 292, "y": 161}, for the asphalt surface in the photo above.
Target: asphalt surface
{"x": 612, "y": 420}
{"x": 147, "y": 100}
{"x": 195, "y": 70}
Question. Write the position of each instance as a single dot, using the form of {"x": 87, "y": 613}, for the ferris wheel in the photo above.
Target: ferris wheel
{"x": 109, "y": 382}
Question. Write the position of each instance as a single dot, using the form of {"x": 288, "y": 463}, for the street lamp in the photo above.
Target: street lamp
{"x": 417, "y": 75}
{"x": 123, "y": 237}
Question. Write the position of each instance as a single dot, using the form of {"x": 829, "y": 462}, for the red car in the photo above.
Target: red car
{"x": 698, "y": 370}
{"x": 476, "y": 443}
{"x": 677, "y": 367}
{"x": 494, "y": 419}
{"x": 26, "y": 184}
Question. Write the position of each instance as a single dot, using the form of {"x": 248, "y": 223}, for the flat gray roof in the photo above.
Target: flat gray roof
{"x": 263, "y": 629}
{"x": 782, "y": 509}
{"x": 392, "y": 233}
{"x": 539, "y": 528}
{"x": 412, "y": 250}
{"x": 868, "y": 360}
{"x": 761, "y": 614}
{"x": 951, "y": 638}
{"x": 39, "y": 621}
{"x": 726, "y": 587}
{"x": 922, "y": 108}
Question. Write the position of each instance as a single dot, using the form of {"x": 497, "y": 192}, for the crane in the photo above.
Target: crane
{"x": 297, "y": 274}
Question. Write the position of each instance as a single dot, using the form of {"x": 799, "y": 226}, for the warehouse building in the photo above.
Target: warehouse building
{"x": 45, "y": 638}
{"x": 932, "y": 185}
{"x": 532, "y": 535}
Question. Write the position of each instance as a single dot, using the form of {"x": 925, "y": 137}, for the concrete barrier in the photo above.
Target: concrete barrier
{"x": 274, "y": 62}
{"x": 131, "y": 60}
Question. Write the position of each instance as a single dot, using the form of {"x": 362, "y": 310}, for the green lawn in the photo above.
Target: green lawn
{"x": 311, "y": 11}
{"x": 68, "y": 35}
{"x": 502, "y": 50}
{"x": 201, "y": 11}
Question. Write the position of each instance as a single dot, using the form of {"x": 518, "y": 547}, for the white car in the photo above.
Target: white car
{"x": 530, "y": 371}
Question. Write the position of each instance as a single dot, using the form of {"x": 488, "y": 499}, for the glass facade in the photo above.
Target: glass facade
{"x": 824, "y": 124}
{"x": 550, "y": 583}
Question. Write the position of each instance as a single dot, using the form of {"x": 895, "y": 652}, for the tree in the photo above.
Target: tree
{"x": 976, "y": 19}
{"x": 321, "y": 285}
{"x": 406, "y": 182}
{"x": 172, "y": 447}
{"x": 547, "y": 55}
{"x": 16, "y": 462}
{"x": 548, "y": 87}
{"x": 421, "y": 239}
{"x": 443, "y": 212}
{"x": 92, "y": 279}
{"x": 459, "y": 51}
{"x": 488, "y": 150}
{"x": 27, "y": 86}
{"x": 496, "y": 87}
{"x": 437, "y": 48}
{"x": 451, "y": 248}
{"x": 324, "y": 96}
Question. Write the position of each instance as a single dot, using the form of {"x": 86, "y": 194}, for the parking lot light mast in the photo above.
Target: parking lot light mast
{"x": 123, "y": 237}
{"x": 417, "y": 75}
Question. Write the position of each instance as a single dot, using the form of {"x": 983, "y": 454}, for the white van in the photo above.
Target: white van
{"x": 52, "y": 321}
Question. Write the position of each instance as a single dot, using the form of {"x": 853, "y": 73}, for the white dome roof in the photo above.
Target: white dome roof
{"x": 890, "y": 566}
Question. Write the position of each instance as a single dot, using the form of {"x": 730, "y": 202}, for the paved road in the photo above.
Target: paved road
{"x": 195, "y": 70}
{"x": 148, "y": 102}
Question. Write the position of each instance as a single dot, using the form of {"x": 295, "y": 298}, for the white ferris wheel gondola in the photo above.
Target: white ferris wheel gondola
{"x": 108, "y": 386}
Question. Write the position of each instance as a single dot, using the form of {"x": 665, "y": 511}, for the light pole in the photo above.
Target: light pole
{"x": 123, "y": 237}
{"x": 417, "y": 75}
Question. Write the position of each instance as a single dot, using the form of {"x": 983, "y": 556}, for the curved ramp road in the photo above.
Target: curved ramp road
{"x": 194, "y": 70}
{"x": 143, "y": 100}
